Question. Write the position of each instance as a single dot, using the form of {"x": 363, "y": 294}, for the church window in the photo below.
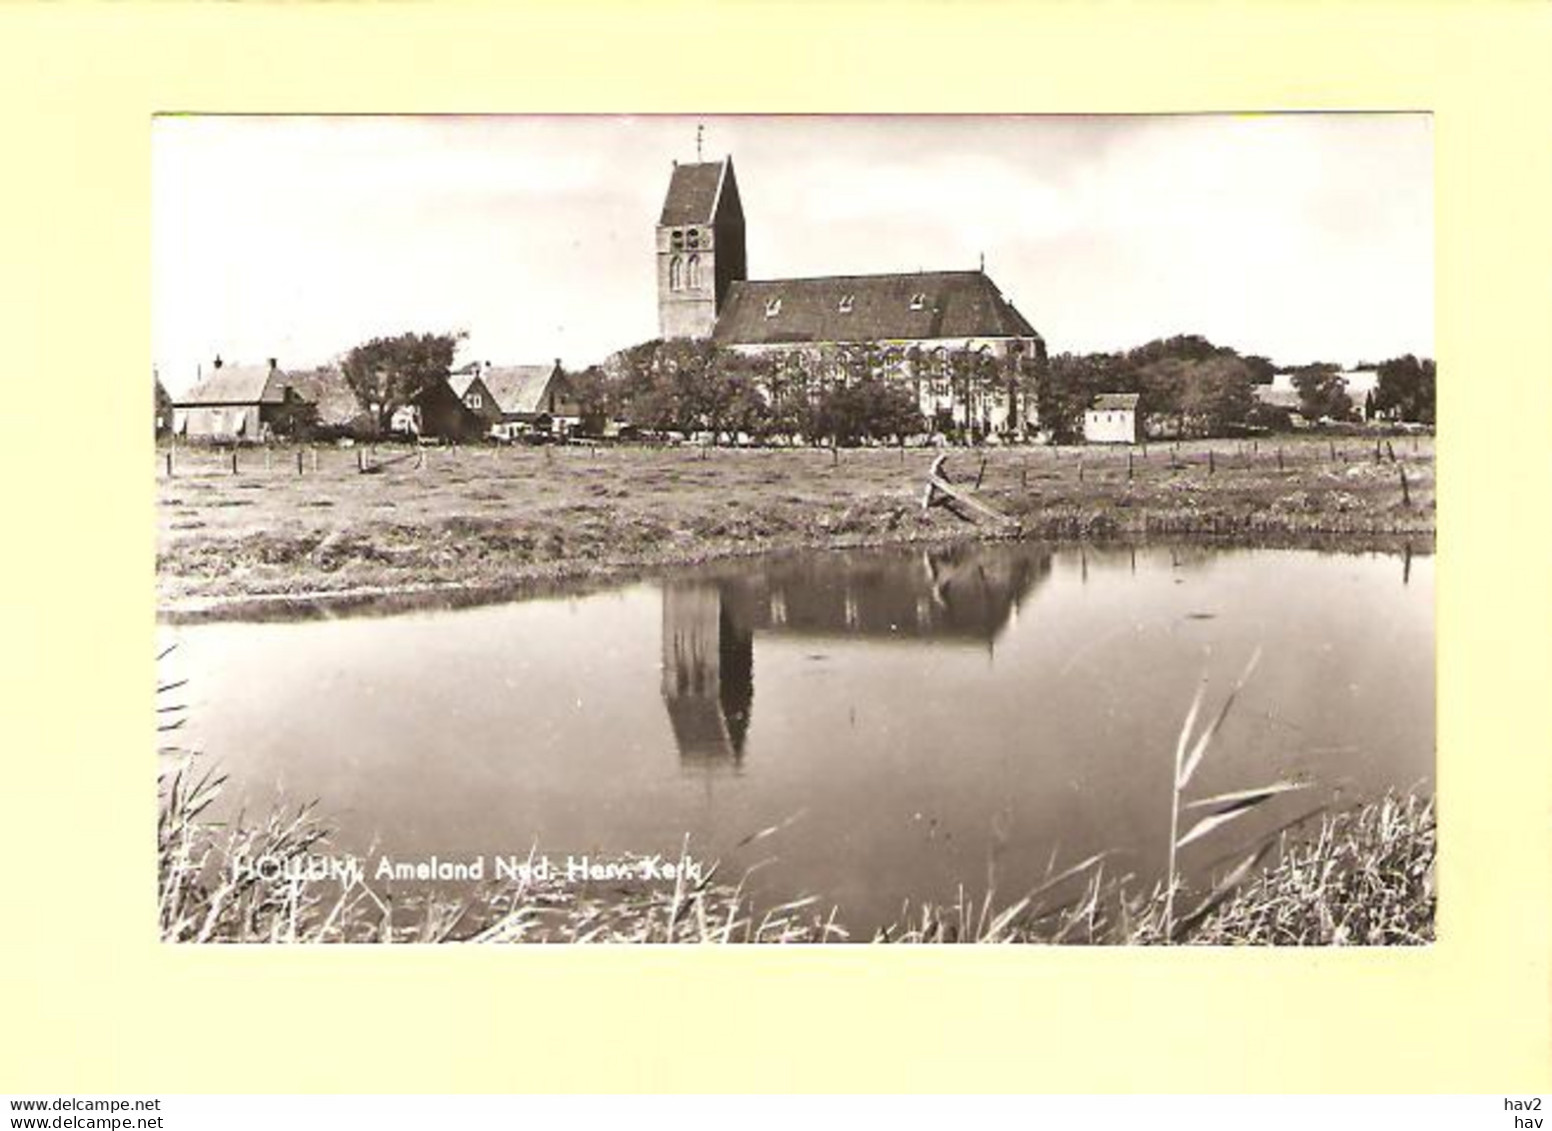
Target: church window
{"x": 693, "y": 272}
{"x": 693, "y": 237}
{"x": 772, "y": 307}
{"x": 846, "y": 304}
{"x": 918, "y": 301}
{"x": 678, "y": 239}
{"x": 675, "y": 274}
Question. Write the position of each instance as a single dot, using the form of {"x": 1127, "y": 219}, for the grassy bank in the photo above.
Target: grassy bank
{"x": 494, "y": 517}
{"x": 1363, "y": 876}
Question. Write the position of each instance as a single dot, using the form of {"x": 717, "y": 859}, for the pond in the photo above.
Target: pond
{"x": 910, "y": 720}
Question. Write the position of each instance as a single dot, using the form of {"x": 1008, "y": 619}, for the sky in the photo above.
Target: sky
{"x": 1298, "y": 237}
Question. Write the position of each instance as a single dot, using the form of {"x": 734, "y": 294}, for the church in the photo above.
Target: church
{"x": 919, "y": 319}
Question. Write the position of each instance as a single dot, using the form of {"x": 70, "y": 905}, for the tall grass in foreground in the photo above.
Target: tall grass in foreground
{"x": 1220, "y": 810}
{"x": 1364, "y": 877}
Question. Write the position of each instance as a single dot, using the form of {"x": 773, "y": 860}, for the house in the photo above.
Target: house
{"x": 1358, "y": 384}
{"x": 529, "y": 398}
{"x": 1111, "y": 419}
{"x": 919, "y": 320}
{"x": 239, "y": 404}
{"x": 1282, "y": 397}
{"x": 437, "y": 412}
{"x": 336, "y": 411}
{"x": 468, "y": 385}
{"x": 163, "y": 406}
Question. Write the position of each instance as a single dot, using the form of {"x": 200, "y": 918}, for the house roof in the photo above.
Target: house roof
{"x": 238, "y": 384}
{"x": 462, "y": 381}
{"x": 865, "y": 308}
{"x": 518, "y": 388}
{"x": 327, "y": 388}
{"x": 692, "y": 193}
{"x": 1114, "y": 402}
{"x": 1276, "y": 397}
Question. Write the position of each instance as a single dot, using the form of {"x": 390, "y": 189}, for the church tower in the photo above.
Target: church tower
{"x": 700, "y": 248}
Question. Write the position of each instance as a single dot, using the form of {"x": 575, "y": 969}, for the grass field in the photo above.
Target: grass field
{"x": 491, "y": 517}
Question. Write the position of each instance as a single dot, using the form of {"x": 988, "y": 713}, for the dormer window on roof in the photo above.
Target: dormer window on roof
{"x": 772, "y": 307}
{"x": 918, "y": 301}
{"x": 846, "y": 303}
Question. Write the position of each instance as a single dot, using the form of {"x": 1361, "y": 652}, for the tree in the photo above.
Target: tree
{"x": 687, "y": 386}
{"x": 1322, "y": 392}
{"x": 1066, "y": 387}
{"x": 1216, "y": 394}
{"x": 388, "y": 373}
{"x": 1261, "y": 369}
{"x": 976, "y": 379}
{"x": 1024, "y": 372}
{"x": 1406, "y": 389}
{"x": 592, "y": 391}
{"x": 1163, "y": 384}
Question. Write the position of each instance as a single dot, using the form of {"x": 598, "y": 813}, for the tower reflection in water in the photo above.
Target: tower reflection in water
{"x": 960, "y": 597}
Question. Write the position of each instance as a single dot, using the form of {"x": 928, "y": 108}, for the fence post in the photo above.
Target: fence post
{"x": 1331, "y": 444}
{"x": 1279, "y": 459}
{"x": 234, "y": 459}
{"x": 169, "y": 463}
{"x": 1128, "y": 467}
{"x": 299, "y": 461}
{"x": 1212, "y": 467}
{"x": 1406, "y": 495}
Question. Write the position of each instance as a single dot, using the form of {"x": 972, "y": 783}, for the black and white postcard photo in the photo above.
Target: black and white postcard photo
{"x": 795, "y": 529}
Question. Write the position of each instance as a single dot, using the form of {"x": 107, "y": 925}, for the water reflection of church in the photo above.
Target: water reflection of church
{"x": 958, "y": 597}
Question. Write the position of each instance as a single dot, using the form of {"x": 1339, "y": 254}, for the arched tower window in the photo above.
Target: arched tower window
{"x": 694, "y": 272}
{"x": 675, "y": 274}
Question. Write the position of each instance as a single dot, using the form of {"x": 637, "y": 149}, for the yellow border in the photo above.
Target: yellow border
{"x": 90, "y": 1002}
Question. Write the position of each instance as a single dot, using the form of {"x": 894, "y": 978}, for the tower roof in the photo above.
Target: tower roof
{"x": 866, "y": 308}
{"x": 693, "y": 193}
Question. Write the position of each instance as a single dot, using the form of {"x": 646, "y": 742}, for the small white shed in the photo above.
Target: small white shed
{"x": 1111, "y": 419}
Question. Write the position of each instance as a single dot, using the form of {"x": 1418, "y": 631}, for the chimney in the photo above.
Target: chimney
{"x": 272, "y": 366}
{"x": 218, "y": 361}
